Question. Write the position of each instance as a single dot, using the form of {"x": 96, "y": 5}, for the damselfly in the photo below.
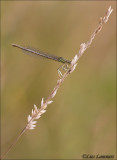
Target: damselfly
{"x": 31, "y": 51}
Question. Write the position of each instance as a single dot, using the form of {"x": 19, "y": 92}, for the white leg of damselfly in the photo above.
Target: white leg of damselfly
{"x": 64, "y": 67}
{"x": 59, "y": 72}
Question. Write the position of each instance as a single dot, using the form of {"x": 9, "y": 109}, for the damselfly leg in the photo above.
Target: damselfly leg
{"x": 64, "y": 67}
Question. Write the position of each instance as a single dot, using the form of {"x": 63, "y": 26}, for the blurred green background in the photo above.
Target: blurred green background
{"x": 82, "y": 117}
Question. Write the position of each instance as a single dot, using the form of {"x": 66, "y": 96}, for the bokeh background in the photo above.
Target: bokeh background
{"x": 82, "y": 117}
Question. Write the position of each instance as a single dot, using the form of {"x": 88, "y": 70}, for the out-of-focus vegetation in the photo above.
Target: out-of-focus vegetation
{"x": 82, "y": 117}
